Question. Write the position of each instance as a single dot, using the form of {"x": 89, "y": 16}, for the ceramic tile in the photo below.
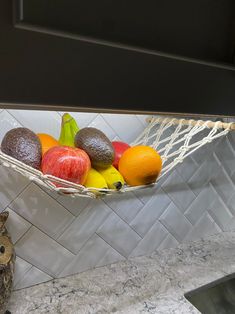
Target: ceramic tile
{"x": 204, "y": 227}
{"x": 16, "y": 225}
{"x": 226, "y": 154}
{"x": 39, "y": 121}
{"x": 126, "y": 206}
{"x": 175, "y": 222}
{"x": 231, "y": 138}
{"x": 21, "y": 268}
{"x": 32, "y": 277}
{"x": 222, "y": 215}
{"x": 7, "y": 123}
{"x": 43, "y": 252}
{"x": 92, "y": 252}
{"x": 145, "y": 195}
{"x": 102, "y": 125}
{"x": 84, "y": 226}
{"x": 201, "y": 203}
{"x": 51, "y": 193}
{"x": 42, "y": 211}
{"x": 90, "y": 255}
{"x": 11, "y": 184}
{"x": 168, "y": 243}
{"x": 178, "y": 191}
{"x": 233, "y": 178}
{"x": 151, "y": 241}
{"x": 116, "y": 138}
{"x": 126, "y": 126}
{"x": 223, "y": 185}
{"x": 111, "y": 256}
{"x": 150, "y": 213}
{"x": 205, "y": 172}
{"x": 187, "y": 168}
{"x": 75, "y": 205}
{"x": 143, "y": 119}
{"x": 231, "y": 204}
{"x": 115, "y": 232}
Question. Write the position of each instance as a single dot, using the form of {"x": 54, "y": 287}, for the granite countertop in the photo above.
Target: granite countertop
{"x": 153, "y": 284}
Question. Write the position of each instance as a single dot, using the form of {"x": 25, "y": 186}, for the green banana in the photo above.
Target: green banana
{"x": 74, "y": 127}
{"x": 113, "y": 177}
{"x": 69, "y": 129}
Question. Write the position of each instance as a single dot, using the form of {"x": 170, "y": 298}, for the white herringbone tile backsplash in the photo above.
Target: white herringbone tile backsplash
{"x": 56, "y": 236}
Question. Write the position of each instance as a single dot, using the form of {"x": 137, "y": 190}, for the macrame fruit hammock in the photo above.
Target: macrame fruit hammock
{"x": 174, "y": 139}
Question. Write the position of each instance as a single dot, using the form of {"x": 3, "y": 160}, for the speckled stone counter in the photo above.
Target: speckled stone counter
{"x": 154, "y": 284}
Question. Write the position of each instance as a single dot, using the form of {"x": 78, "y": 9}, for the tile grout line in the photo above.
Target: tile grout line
{"x": 75, "y": 254}
{"x": 179, "y": 240}
{"x": 186, "y": 183}
{"x": 76, "y": 217}
{"x": 222, "y": 201}
{"x": 112, "y": 129}
{"x": 162, "y": 187}
{"x": 178, "y": 209}
{"x": 122, "y": 221}
{"x": 164, "y": 209}
{"x": 226, "y": 173}
{"x": 106, "y": 120}
{"x": 220, "y": 230}
{"x": 22, "y": 278}
{"x": 31, "y": 266}
{"x": 116, "y": 212}
{"x": 39, "y": 228}
{"x": 110, "y": 245}
{"x": 23, "y": 236}
{"x": 17, "y": 195}
{"x": 13, "y": 117}
{"x": 43, "y": 233}
{"x": 157, "y": 221}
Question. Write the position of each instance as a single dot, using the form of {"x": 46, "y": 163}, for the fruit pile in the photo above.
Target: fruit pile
{"x": 84, "y": 156}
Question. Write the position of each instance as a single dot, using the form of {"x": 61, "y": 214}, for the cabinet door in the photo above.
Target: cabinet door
{"x": 152, "y": 56}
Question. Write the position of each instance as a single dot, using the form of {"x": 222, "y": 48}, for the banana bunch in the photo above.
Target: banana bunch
{"x": 113, "y": 177}
{"x": 95, "y": 180}
{"x": 105, "y": 178}
{"x": 69, "y": 129}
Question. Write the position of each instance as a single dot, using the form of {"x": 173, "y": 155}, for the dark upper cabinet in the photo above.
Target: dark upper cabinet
{"x": 156, "y": 56}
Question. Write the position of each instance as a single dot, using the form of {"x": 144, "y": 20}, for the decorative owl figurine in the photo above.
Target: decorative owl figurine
{"x": 7, "y": 261}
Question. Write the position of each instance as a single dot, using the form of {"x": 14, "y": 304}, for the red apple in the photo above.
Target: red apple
{"x": 119, "y": 149}
{"x": 68, "y": 163}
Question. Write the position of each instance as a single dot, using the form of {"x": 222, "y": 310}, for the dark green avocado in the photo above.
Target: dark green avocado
{"x": 96, "y": 144}
{"x": 23, "y": 145}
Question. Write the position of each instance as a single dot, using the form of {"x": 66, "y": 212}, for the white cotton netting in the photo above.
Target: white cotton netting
{"x": 174, "y": 140}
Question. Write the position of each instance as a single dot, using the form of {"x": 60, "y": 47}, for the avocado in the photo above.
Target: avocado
{"x": 23, "y": 145}
{"x": 96, "y": 144}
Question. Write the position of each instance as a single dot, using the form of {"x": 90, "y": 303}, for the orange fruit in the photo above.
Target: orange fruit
{"x": 140, "y": 165}
{"x": 47, "y": 142}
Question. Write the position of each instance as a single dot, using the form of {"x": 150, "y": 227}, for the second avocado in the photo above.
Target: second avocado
{"x": 96, "y": 144}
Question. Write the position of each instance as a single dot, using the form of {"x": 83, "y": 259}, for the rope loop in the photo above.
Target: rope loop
{"x": 184, "y": 148}
{"x": 179, "y": 159}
